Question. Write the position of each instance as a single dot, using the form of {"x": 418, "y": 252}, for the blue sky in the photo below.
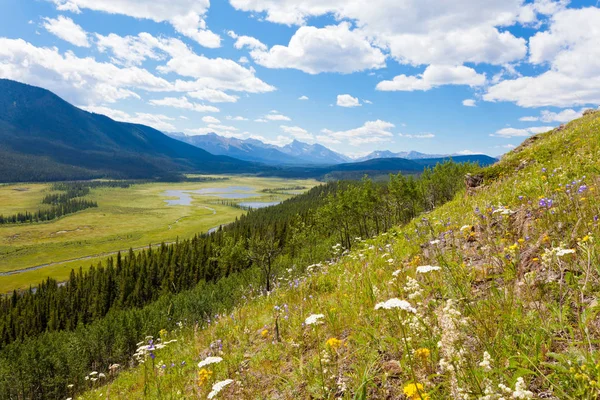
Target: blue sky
{"x": 429, "y": 75}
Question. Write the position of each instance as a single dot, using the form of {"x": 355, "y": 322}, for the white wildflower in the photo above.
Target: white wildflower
{"x": 487, "y": 360}
{"x": 423, "y": 269}
{"x": 314, "y": 319}
{"x": 391, "y": 261}
{"x": 413, "y": 288}
{"x": 209, "y": 360}
{"x": 564, "y": 252}
{"x": 521, "y": 391}
{"x": 396, "y": 303}
{"x": 396, "y": 272}
{"x": 217, "y": 387}
{"x": 434, "y": 242}
{"x": 465, "y": 227}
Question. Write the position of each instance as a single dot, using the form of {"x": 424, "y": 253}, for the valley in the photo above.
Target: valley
{"x": 135, "y": 217}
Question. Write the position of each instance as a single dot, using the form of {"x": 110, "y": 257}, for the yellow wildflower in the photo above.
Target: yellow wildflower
{"x": 415, "y": 392}
{"x": 264, "y": 333}
{"x": 333, "y": 343}
{"x": 422, "y": 354}
{"x": 203, "y": 376}
{"x": 521, "y": 241}
{"x": 163, "y": 333}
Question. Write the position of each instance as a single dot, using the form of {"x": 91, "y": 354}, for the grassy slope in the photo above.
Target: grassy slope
{"x": 125, "y": 218}
{"x": 501, "y": 290}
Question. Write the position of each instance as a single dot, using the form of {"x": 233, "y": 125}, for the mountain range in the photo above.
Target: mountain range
{"x": 294, "y": 153}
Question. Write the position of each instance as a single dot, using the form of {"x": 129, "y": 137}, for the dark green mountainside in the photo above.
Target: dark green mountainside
{"x": 42, "y": 137}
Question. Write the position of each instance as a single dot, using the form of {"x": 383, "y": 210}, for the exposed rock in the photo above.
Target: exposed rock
{"x": 473, "y": 181}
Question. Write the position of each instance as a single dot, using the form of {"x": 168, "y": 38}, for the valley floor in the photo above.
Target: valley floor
{"x": 133, "y": 217}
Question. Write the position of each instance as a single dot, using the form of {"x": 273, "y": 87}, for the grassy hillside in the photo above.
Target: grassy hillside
{"x": 496, "y": 299}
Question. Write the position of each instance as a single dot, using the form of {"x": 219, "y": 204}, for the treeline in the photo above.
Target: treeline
{"x": 63, "y": 203}
{"x": 40, "y": 326}
{"x": 47, "y": 214}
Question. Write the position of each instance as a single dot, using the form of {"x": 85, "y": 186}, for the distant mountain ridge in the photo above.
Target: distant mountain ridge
{"x": 43, "y": 137}
{"x": 294, "y": 153}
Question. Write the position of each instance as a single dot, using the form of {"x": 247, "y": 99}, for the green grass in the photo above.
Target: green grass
{"x": 125, "y": 218}
{"x": 517, "y": 285}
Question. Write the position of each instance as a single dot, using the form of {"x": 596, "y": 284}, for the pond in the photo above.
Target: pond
{"x": 257, "y": 204}
{"x": 230, "y": 192}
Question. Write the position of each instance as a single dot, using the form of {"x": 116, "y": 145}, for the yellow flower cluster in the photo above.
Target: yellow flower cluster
{"x": 415, "y": 392}
{"x": 203, "y": 376}
{"x": 422, "y": 355}
{"x": 333, "y": 343}
{"x": 264, "y": 333}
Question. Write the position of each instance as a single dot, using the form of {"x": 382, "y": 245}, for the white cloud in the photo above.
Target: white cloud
{"x": 529, "y": 119}
{"x": 367, "y": 101}
{"x": 280, "y": 140}
{"x": 466, "y": 153}
{"x": 238, "y": 118}
{"x": 297, "y": 132}
{"x": 370, "y": 132}
{"x": 260, "y": 120}
{"x": 549, "y": 116}
{"x": 516, "y": 132}
{"x": 183, "y": 102}
{"x": 210, "y": 120}
{"x": 345, "y": 100}
{"x": 274, "y": 116}
{"x": 418, "y": 136}
{"x": 571, "y": 50}
{"x": 213, "y": 73}
{"x": 250, "y": 42}
{"x": 243, "y": 60}
{"x": 434, "y": 76}
{"x": 334, "y": 48}
{"x": 469, "y": 103}
{"x": 303, "y": 98}
{"x": 133, "y": 50}
{"x": 156, "y": 121}
{"x": 67, "y": 30}
{"x": 78, "y": 80}
{"x": 214, "y": 96}
{"x": 186, "y": 16}
{"x": 183, "y": 117}
{"x": 419, "y": 32}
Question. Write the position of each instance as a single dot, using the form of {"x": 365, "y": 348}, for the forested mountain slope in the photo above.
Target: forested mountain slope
{"x": 490, "y": 296}
{"x": 42, "y": 137}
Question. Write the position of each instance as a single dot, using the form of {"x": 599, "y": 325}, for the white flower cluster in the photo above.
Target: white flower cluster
{"x": 396, "y": 303}
{"x": 412, "y": 288}
{"x": 453, "y": 354}
{"x": 217, "y": 387}
{"x": 520, "y": 391}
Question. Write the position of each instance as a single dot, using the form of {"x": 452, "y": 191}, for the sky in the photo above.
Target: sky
{"x": 436, "y": 76}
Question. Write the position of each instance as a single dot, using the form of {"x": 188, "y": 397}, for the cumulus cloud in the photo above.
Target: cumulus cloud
{"x": 80, "y": 80}
{"x": 469, "y": 103}
{"x": 571, "y": 50}
{"x": 186, "y": 16}
{"x": 334, "y": 48}
{"x": 549, "y": 116}
{"x": 345, "y": 100}
{"x": 434, "y": 76}
{"x": 237, "y": 118}
{"x": 516, "y": 132}
{"x": 303, "y": 98}
{"x": 67, "y": 30}
{"x": 370, "y": 132}
{"x": 250, "y": 42}
{"x": 183, "y": 102}
{"x": 214, "y": 96}
{"x": 209, "y": 119}
{"x": 418, "y": 136}
{"x": 134, "y": 50}
{"x": 156, "y": 121}
{"x": 223, "y": 130}
{"x": 297, "y": 132}
{"x": 420, "y": 32}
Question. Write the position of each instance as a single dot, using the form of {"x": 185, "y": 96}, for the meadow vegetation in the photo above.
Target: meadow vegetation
{"x": 126, "y": 217}
{"x": 490, "y": 296}
{"x": 50, "y": 336}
